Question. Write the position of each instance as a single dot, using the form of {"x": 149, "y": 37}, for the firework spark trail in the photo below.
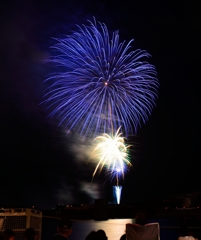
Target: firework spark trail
{"x": 111, "y": 152}
{"x": 117, "y": 191}
{"x": 101, "y": 83}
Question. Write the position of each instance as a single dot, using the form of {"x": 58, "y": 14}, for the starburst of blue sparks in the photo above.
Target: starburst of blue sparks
{"x": 100, "y": 83}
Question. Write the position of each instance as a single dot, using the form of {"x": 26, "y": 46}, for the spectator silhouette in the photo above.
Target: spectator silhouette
{"x": 2, "y": 237}
{"x": 91, "y": 236}
{"x": 30, "y": 234}
{"x": 141, "y": 218}
{"x": 99, "y": 235}
{"x": 184, "y": 234}
{"x": 141, "y": 229}
{"x": 9, "y": 234}
{"x": 64, "y": 229}
{"x": 123, "y": 237}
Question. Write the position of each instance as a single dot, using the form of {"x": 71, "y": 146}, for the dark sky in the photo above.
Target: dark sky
{"x": 40, "y": 164}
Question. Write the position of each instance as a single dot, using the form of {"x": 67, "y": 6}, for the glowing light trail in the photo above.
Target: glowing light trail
{"x": 100, "y": 83}
{"x": 117, "y": 190}
{"x": 112, "y": 152}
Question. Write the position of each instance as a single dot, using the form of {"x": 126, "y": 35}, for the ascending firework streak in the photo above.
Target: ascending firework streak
{"x": 117, "y": 191}
{"x": 112, "y": 152}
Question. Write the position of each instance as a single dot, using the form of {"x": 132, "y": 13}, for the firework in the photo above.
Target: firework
{"x": 112, "y": 152}
{"x": 117, "y": 192}
{"x": 100, "y": 83}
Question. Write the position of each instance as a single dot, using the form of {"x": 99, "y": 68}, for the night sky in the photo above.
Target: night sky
{"x": 40, "y": 164}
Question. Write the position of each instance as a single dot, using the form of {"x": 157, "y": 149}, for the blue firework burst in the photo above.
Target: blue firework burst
{"x": 100, "y": 83}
